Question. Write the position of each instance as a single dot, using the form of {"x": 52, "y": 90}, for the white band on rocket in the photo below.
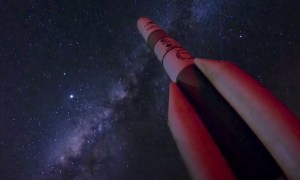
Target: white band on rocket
{"x": 173, "y": 57}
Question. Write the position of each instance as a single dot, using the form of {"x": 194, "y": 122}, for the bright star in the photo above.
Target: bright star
{"x": 71, "y": 96}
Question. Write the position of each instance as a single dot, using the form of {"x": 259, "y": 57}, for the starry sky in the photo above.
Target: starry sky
{"x": 83, "y": 97}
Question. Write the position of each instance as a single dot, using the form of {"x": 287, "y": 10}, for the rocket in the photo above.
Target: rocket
{"x": 224, "y": 123}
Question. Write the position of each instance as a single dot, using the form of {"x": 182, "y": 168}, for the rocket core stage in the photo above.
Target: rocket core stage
{"x": 243, "y": 124}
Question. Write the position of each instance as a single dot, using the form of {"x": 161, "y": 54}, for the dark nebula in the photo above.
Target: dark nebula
{"x": 83, "y": 97}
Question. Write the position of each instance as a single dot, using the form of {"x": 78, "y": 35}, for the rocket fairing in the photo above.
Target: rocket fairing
{"x": 228, "y": 102}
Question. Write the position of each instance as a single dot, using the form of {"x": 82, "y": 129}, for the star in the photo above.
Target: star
{"x": 71, "y": 96}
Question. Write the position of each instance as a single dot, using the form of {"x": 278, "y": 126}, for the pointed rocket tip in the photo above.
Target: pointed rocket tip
{"x": 173, "y": 85}
{"x": 146, "y": 26}
{"x": 205, "y": 65}
{"x": 142, "y": 22}
{"x": 142, "y": 19}
{"x": 202, "y": 61}
{"x": 197, "y": 61}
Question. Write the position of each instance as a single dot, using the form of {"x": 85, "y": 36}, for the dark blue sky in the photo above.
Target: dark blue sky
{"x": 82, "y": 96}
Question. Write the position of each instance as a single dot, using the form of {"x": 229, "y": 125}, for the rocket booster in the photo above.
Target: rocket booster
{"x": 199, "y": 151}
{"x": 226, "y": 102}
{"x": 276, "y": 127}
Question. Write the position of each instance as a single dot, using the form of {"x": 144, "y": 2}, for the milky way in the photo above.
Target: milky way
{"x": 92, "y": 134}
{"x": 83, "y": 97}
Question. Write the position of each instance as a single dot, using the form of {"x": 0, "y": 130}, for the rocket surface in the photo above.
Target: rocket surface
{"x": 224, "y": 123}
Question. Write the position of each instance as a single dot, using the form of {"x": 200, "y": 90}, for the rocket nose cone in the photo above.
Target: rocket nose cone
{"x": 146, "y": 26}
{"x": 142, "y": 21}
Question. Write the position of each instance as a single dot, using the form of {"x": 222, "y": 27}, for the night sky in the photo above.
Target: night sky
{"x": 83, "y": 97}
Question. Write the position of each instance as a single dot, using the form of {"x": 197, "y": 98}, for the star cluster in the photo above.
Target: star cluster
{"x": 83, "y": 97}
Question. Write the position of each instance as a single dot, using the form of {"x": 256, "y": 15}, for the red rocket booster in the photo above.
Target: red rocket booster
{"x": 224, "y": 123}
